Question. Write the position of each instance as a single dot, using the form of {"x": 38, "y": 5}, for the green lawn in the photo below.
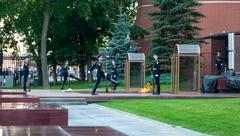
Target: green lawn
{"x": 220, "y": 117}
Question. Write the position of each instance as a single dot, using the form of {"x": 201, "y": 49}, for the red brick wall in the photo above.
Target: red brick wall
{"x": 206, "y": 58}
{"x": 143, "y": 20}
{"x": 221, "y": 16}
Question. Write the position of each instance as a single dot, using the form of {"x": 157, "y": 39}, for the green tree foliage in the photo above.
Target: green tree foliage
{"x": 137, "y": 32}
{"x": 120, "y": 44}
{"x": 76, "y": 28}
{"x": 175, "y": 23}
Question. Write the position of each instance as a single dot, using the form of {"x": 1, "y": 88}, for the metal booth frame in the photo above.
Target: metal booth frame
{"x": 134, "y": 57}
{"x": 184, "y": 50}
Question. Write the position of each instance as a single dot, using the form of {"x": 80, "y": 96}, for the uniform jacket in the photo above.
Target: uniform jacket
{"x": 156, "y": 69}
{"x": 114, "y": 72}
{"x": 64, "y": 72}
{"x": 219, "y": 60}
{"x": 98, "y": 66}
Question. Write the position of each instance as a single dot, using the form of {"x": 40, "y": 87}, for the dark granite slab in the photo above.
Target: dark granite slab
{"x": 32, "y": 114}
{"x": 92, "y": 131}
{"x": 57, "y": 131}
{"x": 32, "y": 131}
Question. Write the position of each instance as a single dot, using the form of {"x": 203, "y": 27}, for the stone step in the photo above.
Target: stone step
{"x": 64, "y": 101}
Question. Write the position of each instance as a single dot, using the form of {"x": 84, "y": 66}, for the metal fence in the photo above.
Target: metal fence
{"x": 10, "y": 73}
{"x": 12, "y": 63}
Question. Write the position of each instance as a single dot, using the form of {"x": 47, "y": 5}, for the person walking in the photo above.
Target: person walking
{"x": 25, "y": 73}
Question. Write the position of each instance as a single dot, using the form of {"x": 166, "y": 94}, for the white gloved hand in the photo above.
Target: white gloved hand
{"x": 156, "y": 75}
{"x": 105, "y": 74}
{"x": 89, "y": 72}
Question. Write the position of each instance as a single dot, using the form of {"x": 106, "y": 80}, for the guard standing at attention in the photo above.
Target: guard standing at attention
{"x": 114, "y": 74}
{"x": 219, "y": 62}
{"x": 156, "y": 73}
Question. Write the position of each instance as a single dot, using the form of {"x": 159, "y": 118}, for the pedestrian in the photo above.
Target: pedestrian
{"x": 15, "y": 75}
{"x": 156, "y": 73}
{"x": 25, "y": 73}
{"x": 219, "y": 62}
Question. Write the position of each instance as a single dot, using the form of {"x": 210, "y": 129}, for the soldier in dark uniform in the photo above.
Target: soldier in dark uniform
{"x": 25, "y": 74}
{"x": 219, "y": 62}
{"x": 64, "y": 75}
{"x": 114, "y": 74}
{"x": 100, "y": 74}
{"x": 156, "y": 73}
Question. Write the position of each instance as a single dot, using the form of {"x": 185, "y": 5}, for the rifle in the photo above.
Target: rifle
{"x": 106, "y": 84}
{"x": 153, "y": 85}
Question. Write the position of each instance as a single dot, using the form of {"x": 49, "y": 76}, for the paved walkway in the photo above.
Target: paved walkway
{"x": 132, "y": 125}
{"x": 58, "y": 93}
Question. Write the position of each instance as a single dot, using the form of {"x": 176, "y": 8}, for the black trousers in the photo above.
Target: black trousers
{"x": 157, "y": 84}
{"x": 25, "y": 78}
{"x": 114, "y": 86}
{"x": 99, "y": 78}
{"x": 219, "y": 69}
{"x": 72, "y": 76}
{"x": 63, "y": 82}
{"x": 96, "y": 85}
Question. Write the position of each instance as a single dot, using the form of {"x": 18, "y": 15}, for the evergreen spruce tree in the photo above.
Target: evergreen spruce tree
{"x": 120, "y": 44}
{"x": 175, "y": 23}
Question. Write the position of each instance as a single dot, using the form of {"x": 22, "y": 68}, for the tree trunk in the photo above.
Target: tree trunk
{"x": 55, "y": 73}
{"x": 39, "y": 69}
{"x": 89, "y": 76}
{"x": 44, "y": 50}
{"x": 1, "y": 60}
{"x": 82, "y": 71}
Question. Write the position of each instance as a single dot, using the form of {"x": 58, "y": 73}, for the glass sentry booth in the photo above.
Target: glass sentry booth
{"x": 135, "y": 71}
{"x": 185, "y": 69}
